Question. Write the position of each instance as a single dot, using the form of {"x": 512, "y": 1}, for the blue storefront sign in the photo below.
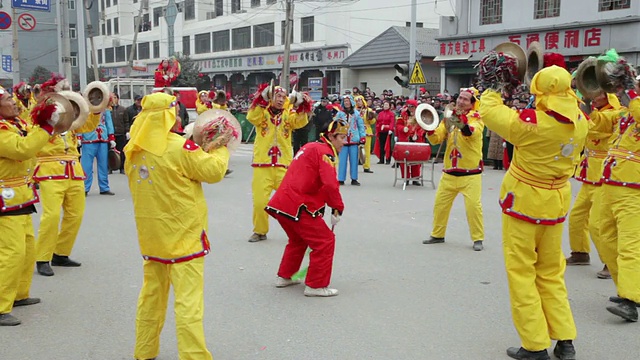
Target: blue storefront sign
{"x": 39, "y": 5}
{"x": 6, "y": 63}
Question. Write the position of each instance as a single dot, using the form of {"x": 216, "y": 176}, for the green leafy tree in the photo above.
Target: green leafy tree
{"x": 40, "y": 74}
{"x": 189, "y": 72}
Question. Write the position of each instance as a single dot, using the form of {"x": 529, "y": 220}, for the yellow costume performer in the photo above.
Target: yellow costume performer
{"x": 535, "y": 198}
{"x": 619, "y": 209}
{"x": 19, "y": 144}
{"x": 583, "y": 218}
{"x": 165, "y": 174}
{"x": 274, "y": 117}
{"x": 462, "y": 169}
{"x": 202, "y": 102}
{"x": 61, "y": 180}
{"x": 369, "y": 118}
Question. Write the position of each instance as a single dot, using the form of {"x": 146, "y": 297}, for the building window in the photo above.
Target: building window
{"x": 99, "y": 56}
{"x": 143, "y": 50}
{"x": 71, "y": 5}
{"x": 263, "y": 35}
{"x": 490, "y": 12}
{"x": 546, "y": 9}
{"x": 102, "y": 5}
{"x": 135, "y": 57}
{"x": 241, "y": 38}
{"x": 116, "y": 26}
{"x": 221, "y": 41}
{"x": 157, "y": 14}
{"x": 146, "y": 23}
{"x": 108, "y": 3}
{"x": 307, "y": 29}
{"x": 186, "y": 45}
{"x": 283, "y": 26}
{"x": 189, "y": 9}
{"x": 418, "y": 24}
{"x": 236, "y": 6}
{"x": 108, "y": 26}
{"x": 73, "y": 32}
{"x": 103, "y": 29}
{"x": 115, "y": 2}
{"x": 270, "y": 2}
{"x": 255, "y": 3}
{"x": 606, "y": 5}
{"x": 74, "y": 59}
{"x": 120, "y": 56}
{"x": 219, "y": 8}
{"x": 108, "y": 55}
{"x": 203, "y": 43}
{"x": 156, "y": 49}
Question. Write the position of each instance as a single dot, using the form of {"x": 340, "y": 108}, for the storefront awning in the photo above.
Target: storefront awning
{"x": 462, "y": 57}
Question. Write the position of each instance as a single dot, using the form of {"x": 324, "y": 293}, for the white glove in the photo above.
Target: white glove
{"x": 128, "y": 136}
{"x": 55, "y": 117}
{"x": 414, "y": 137}
{"x": 504, "y": 145}
{"x": 406, "y": 129}
{"x": 390, "y": 132}
{"x": 383, "y": 127}
{"x": 166, "y": 77}
{"x": 266, "y": 94}
{"x": 335, "y": 219}
{"x": 112, "y": 143}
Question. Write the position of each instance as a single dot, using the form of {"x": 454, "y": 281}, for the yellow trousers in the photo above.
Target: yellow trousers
{"x": 620, "y": 243}
{"x": 17, "y": 257}
{"x": 535, "y": 272}
{"x": 59, "y": 196}
{"x": 187, "y": 280}
{"x": 265, "y": 181}
{"x": 448, "y": 188}
{"x": 584, "y": 220}
{"x": 367, "y": 153}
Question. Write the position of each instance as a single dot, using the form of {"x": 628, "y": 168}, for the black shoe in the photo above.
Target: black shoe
{"x": 368, "y": 171}
{"x": 618, "y": 300}
{"x": 44, "y": 268}
{"x": 388, "y": 162}
{"x": 9, "y": 320}
{"x": 626, "y": 309}
{"x": 564, "y": 350}
{"x": 58, "y": 260}
{"x": 417, "y": 183}
{"x": 380, "y": 162}
{"x": 229, "y": 172}
{"x": 433, "y": 240}
{"x": 26, "y": 302}
{"x": 86, "y": 193}
{"x": 341, "y": 182}
{"x": 255, "y": 237}
{"x": 523, "y": 354}
{"x": 106, "y": 193}
{"x": 122, "y": 171}
{"x": 355, "y": 183}
{"x": 477, "y": 245}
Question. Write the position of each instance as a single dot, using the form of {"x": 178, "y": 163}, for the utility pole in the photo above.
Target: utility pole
{"x": 82, "y": 48}
{"x": 15, "y": 57}
{"x": 135, "y": 39}
{"x": 66, "y": 42}
{"x": 59, "y": 30}
{"x": 412, "y": 45}
{"x": 284, "y": 79}
{"x": 94, "y": 60}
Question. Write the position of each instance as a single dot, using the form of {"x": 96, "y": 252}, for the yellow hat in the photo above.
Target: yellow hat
{"x": 151, "y": 129}
{"x": 552, "y": 88}
{"x": 338, "y": 127}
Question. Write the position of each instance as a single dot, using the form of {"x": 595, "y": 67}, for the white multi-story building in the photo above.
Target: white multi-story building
{"x": 240, "y": 43}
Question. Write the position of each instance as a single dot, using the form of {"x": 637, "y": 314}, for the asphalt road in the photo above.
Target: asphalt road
{"x": 399, "y": 299}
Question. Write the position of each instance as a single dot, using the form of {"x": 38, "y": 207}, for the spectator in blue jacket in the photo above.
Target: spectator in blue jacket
{"x": 95, "y": 145}
{"x": 355, "y": 137}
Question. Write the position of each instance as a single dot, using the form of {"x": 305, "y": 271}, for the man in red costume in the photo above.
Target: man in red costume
{"x": 408, "y": 130}
{"x": 299, "y": 206}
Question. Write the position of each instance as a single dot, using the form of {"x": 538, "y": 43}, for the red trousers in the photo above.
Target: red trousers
{"x": 414, "y": 170}
{"x": 308, "y": 232}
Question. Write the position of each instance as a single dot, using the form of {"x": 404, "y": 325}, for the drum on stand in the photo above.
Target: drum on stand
{"x": 407, "y": 154}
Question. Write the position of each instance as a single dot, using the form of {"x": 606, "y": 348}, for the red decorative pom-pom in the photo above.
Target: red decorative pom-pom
{"x": 551, "y": 59}
{"x": 49, "y": 85}
{"x": 42, "y": 113}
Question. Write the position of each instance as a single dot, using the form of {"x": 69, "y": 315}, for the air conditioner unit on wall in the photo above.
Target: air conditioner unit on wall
{"x": 211, "y": 15}
{"x": 116, "y": 42}
{"x": 103, "y": 16}
{"x": 145, "y": 4}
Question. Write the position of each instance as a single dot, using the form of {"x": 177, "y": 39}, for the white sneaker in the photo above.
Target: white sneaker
{"x": 282, "y": 282}
{"x": 321, "y": 292}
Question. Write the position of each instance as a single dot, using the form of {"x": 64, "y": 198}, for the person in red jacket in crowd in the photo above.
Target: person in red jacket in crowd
{"x": 166, "y": 73}
{"x": 299, "y": 205}
{"x": 384, "y": 129}
{"x": 408, "y": 130}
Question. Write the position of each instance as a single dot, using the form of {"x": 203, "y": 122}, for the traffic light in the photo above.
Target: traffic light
{"x": 403, "y": 77}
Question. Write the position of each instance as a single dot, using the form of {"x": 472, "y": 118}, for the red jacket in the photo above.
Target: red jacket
{"x": 385, "y": 117}
{"x": 414, "y": 130}
{"x": 309, "y": 184}
{"x": 160, "y": 82}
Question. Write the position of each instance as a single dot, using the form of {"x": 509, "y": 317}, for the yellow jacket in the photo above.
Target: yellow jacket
{"x": 218, "y": 106}
{"x": 19, "y": 144}
{"x": 369, "y": 118}
{"x": 536, "y": 188}
{"x": 169, "y": 205}
{"x": 589, "y": 170}
{"x": 59, "y": 159}
{"x": 622, "y": 165}
{"x": 25, "y": 111}
{"x": 463, "y": 154}
{"x": 272, "y": 146}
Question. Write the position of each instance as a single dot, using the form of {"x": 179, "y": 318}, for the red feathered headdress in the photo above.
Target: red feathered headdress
{"x": 554, "y": 59}
{"x": 49, "y": 85}
{"x": 20, "y": 90}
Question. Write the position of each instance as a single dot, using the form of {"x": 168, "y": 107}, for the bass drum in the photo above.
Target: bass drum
{"x": 412, "y": 152}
